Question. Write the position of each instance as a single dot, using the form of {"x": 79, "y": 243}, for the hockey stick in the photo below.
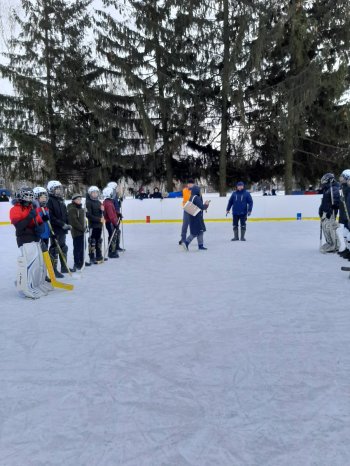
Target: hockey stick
{"x": 60, "y": 252}
{"x": 85, "y": 242}
{"x": 54, "y": 282}
{"x": 111, "y": 239}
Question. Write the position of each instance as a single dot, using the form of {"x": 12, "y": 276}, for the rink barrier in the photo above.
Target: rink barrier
{"x": 209, "y": 220}
{"x": 266, "y": 209}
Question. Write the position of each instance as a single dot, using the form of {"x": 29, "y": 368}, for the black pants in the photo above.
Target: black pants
{"x": 78, "y": 251}
{"x": 53, "y": 250}
{"x": 239, "y": 218}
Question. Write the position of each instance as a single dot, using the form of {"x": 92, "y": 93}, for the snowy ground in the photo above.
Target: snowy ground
{"x": 239, "y": 355}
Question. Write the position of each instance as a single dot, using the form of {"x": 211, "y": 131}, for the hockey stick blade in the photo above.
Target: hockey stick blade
{"x": 345, "y": 269}
{"x": 54, "y": 282}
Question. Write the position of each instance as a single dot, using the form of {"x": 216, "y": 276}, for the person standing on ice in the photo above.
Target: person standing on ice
{"x": 328, "y": 212}
{"x": 118, "y": 208}
{"x": 60, "y": 226}
{"x": 40, "y": 200}
{"x": 186, "y": 194}
{"x": 241, "y": 203}
{"x": 196, "y": 223}
{"x": 94, "y": 213}
{"x": 31, "y": 270}
{"x": 112, "y": 223}
{"x": 77, "y": 220}
{"x": 344, "y": 213}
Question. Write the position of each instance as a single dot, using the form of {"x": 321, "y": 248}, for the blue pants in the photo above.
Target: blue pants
{"x": 239, "y": 218}
{"x": 185, "y": 224}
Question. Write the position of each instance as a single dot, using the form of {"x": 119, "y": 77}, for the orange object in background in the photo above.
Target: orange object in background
{"x": 148, "y": 219}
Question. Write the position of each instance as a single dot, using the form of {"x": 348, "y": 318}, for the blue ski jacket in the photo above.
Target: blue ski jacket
{"x": 241, "y": 203}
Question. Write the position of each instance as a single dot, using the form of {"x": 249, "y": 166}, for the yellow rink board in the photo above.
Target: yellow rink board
{"x": 218, "y": 220}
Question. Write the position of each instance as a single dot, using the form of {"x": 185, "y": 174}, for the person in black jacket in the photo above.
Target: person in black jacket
{"x": 344, "y": 213}
{"x": 328, "y": 212}
{"x": 94, "y": 214}
{"x": 60, "y": 225}
{"x": 197, "y": 225}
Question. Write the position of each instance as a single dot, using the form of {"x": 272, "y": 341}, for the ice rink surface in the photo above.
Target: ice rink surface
{"x": 235, "y": 356}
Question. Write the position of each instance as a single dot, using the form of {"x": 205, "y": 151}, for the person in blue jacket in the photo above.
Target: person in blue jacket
{"x": 242, "y": 205}
{"x": 197, "y": 226}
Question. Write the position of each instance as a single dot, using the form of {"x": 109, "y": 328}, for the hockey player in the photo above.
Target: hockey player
{"x": 60, "y": 226}
{"x": 31, "y": 271}
{"x": 94, "y": 213}
{"x": 328, "y": 212}
{"x": 77, "y": 220}
{"x": 112, "y": 222}
{"x": 242, "y": 204}
{"x": 196, "y": 223}
{"x": 40, "y": 199}
{"x": 118, "y": 208}
{"x": 344, "y": 213}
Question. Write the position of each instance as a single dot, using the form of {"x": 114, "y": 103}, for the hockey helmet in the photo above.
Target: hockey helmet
{"x": 93, "y": 189}
{"x": 55, "y": 187}
{"x": 345, "y": 176}
{"x": 25, "y": 194}
{"x": 113, "y": 185}
{"x": 108, "y": 193}
{"x": 39, "y": 191}
{"x": 327, "y": 178}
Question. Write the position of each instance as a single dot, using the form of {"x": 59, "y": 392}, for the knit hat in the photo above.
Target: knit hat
{"x": 240, "y": 183}
{"x": 75, "y": 196}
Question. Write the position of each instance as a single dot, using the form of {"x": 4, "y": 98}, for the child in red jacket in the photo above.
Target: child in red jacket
{"x": 112, "y": 222}
{"x": 31, "y": 270}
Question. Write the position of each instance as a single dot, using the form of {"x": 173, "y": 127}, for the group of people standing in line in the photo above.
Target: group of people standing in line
{"x": 335, "y": 199}
{"x": 42, "y": 221}
{"x": 240, "y": 202}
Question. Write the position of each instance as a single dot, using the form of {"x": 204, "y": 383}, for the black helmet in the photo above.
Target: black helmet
{"x": 25, "y": 194}
{"x": 327, "y": 178}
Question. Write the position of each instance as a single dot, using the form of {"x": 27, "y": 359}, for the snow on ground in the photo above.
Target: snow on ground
{"x": 235, "y": 356}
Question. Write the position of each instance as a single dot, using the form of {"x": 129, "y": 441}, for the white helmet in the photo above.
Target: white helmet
{"x": 113, "y": 185}
{"x": 55, "y": 187}
{"x": 93, "y": 189}
{"x": 108, "y": 193}
{"x": 39, "y": 191}
{"x": 345, "y": 176}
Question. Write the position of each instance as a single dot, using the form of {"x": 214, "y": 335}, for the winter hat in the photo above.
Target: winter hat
{"x": 75, "y": 196}
{"x": 240, "y": 183}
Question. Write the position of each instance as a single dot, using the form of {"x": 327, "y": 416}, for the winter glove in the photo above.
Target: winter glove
{"x": 45, "y": 218}
{"x": 53, "y": 237}
{"x": 249, "y": 214}
{"x": 328, "y": 215}
{"x": 66, "y": 227}
{"x": 320, "y": 212}
{"x": 32, "y": 214}
{"x": 120, "y": 216}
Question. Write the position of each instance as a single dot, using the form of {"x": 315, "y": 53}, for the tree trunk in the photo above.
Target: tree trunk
{"x": 225, "y": 88}
{"x": 50, "y": 111}
{"x": 167, "y": 149}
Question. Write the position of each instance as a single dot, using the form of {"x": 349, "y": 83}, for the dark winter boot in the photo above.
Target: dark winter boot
{"x": 201, "y": 247}
{"x": 235, "y": 232}
{"x": 112, "y": 250}
{"x": 242, "y": 234}
{"x": 118, "y": 242}
{"x": 92, "y": 250}
{"x": 99, "y": 256}
{"x": 54, "y": 264}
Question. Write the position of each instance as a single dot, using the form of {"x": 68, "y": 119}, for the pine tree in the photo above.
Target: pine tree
{"x": 154, "y": 60}
{"x": 43, "y": 121}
